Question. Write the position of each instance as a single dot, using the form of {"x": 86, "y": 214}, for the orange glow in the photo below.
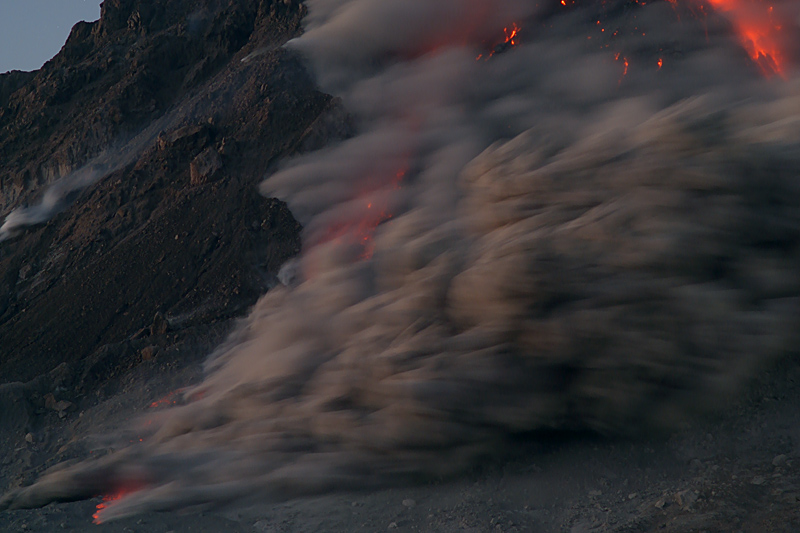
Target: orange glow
{"x": 625, "y": 64}
{"x": 510, "y": 39}
{"x": 360, "y": 231}
{"x": 761, "y": 31}
{"x": 169, "y": 399}
{"x": 758, "y": 32}
{"x": 128, "y": 488}
{"x": 511, "y": 35}
{"x": 173, "y": 398}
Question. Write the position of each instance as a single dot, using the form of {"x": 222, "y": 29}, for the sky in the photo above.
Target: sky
{"x": 33, "y": 31}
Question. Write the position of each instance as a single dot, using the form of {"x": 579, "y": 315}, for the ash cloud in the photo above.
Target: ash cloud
{"x": 59, "y": 194}
{"x": 53, "y": 200}
{"x": 563, "y": 246}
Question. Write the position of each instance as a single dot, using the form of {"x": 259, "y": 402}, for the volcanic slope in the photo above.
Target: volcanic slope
{"x": 176, "y": 109}
{"x": 175, "y": 226}
{"x": 136, "y": 279}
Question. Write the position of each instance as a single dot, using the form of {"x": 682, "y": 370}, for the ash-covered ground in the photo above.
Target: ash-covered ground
{"x": 536, "y": 269}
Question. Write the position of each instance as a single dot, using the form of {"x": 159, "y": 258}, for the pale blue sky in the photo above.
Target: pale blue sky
{"x": 33, "y": 31}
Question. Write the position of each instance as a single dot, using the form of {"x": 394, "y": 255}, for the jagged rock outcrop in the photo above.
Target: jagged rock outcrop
{"x": 118, "y": 74}
{"x": 176, "y": 226}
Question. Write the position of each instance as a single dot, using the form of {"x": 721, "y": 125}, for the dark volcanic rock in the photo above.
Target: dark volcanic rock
{"x": 178, "y": 227}
{"x": 205, "y": 166}
{"x": 10, "y": 82}
{"x": 118, "y": 74}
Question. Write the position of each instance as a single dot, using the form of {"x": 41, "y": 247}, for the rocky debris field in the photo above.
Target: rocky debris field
{"x": 737, "y": 472}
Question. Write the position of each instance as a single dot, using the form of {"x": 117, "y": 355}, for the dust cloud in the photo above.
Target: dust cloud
{"x": 543, "y": 237}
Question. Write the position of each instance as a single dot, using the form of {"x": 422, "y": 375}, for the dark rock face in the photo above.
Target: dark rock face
{"x": 118, "y": 74}
{"x": 10, "y": 82}
{"x": 178, "y": 231}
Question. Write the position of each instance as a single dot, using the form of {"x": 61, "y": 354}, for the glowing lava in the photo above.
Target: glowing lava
{"x": 359, "y": 231}
{"x": 758, "y": 31}
{"x": 511, "y": 36}
{"x": 100, "y": 506}
{"x": 761, "y": 29}
{"x": 169, "y": 399}
{"x": 129, "y": 488}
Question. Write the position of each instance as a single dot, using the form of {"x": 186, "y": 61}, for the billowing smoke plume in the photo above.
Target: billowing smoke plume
{"x": 544, "y": 236}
